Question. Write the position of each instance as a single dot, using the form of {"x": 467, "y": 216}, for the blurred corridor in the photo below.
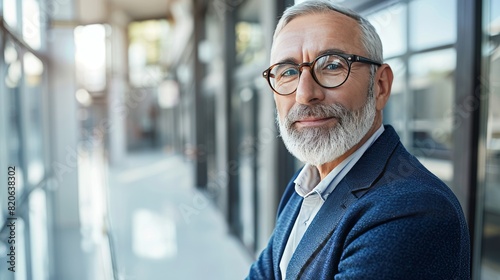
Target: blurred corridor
{"x": 138, "y": 138}
{"x": 164, "y": 228}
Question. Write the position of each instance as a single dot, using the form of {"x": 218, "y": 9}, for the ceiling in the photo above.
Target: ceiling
{"x": 99, "y": 11}
{"x": 143, "y": 9}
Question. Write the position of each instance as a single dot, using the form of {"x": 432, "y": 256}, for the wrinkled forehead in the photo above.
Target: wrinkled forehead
{"x": 306, "y": 36}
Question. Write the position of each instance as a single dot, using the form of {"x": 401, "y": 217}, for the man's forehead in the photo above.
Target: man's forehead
{"x": 311, "y": 34}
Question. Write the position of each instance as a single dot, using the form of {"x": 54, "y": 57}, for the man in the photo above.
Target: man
{"x": 362, "y": 207}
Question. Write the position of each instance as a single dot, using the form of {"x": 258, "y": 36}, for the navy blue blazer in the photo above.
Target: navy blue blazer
{"x": 389, "y": 218}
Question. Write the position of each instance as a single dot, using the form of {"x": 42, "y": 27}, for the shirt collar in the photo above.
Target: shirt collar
{"x": 309, "y": 182}
{"x": 307, "y": 178}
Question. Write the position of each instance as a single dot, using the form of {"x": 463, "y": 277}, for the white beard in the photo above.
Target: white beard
{"x": 319, "y": 145}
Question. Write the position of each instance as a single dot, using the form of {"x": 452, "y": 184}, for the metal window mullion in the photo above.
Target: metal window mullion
{"x": 407, "y": 97}
{"x": 467, "y": 127}
{"x": 233, "y": 192}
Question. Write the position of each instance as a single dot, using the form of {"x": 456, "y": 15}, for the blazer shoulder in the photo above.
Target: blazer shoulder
{"x": 405, "y": 184}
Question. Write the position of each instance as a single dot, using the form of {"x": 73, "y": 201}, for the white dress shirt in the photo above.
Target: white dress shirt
{"x": 315, "y": 191}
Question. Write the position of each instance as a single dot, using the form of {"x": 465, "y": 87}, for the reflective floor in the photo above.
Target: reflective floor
{"x": 163, "y": 228}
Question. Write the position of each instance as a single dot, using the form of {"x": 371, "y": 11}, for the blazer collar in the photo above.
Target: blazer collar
{"x": 351, "y": 188}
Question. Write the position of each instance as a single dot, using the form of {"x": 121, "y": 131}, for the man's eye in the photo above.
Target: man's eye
{"x": 289, "y": 72}
{"x": 333, "y": 66}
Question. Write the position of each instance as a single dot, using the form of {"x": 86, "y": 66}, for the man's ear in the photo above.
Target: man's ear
{"x": 383, "y": 85}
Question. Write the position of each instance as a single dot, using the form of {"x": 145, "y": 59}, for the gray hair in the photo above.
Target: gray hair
{"x": 369, "y": 36}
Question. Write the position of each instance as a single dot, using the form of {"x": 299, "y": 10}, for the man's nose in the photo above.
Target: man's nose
{"x": 308, "y": 90}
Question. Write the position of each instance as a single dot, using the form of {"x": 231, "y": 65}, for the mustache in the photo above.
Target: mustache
{"x": 301, "y": 111}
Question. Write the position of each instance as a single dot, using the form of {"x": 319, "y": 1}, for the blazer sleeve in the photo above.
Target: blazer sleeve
{"x": 262, "y": 268}
{"x": 415, "y": 236}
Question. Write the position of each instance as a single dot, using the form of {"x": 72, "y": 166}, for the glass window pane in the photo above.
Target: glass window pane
{"x": 31, "y": 23}
{"x": 150, "y": 44}
{"x": 249, "y": 31}
{"x": 10, "y": 12}
{"x": 431, "y": 125}
{"x": 432, "y": 23}
{"x": 90, "y": 54}
{"x": 395, "y": 110}
{"x": 490, "y": 255}
{"x": 495, "y": 16}
{"x": 249, "y": 43}
{"x": 33, "y": 73}
{"x": 390, "y": 24}
{"x": 38, "y": 228}
{"x": 21, "y": 254}
{"x": 12, "y": 80}
{"x": 3, "y": 133}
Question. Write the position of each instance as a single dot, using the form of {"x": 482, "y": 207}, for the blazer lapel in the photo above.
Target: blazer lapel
{"x": 283, "y": 228}
{"x": 357, "y": 182}
{"x": 321, "y": 227}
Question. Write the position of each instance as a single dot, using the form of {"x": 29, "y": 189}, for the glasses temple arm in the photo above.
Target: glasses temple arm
{"x": 361, "y": 59}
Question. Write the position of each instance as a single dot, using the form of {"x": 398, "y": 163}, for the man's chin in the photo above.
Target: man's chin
{"x": 317, "y": 158}
{"x": 307, "y": 132}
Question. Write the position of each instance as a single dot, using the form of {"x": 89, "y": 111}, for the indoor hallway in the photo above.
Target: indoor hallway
{"x": 163, "y": 228}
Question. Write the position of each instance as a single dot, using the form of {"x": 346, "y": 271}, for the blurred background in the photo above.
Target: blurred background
{"x": 144, "y": 142}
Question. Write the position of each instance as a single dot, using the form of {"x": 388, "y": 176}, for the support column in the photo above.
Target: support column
{"x": 199, "y": 104}
{"x": 69, "y": 259}
{"x": 233, "y": 189}
{"x": 118, "y": 87}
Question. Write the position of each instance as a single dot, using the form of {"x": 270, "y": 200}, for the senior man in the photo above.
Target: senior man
{"x": 362, "y": 207}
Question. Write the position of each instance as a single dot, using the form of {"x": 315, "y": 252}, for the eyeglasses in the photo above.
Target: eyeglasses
{"x": 329, "y": 70}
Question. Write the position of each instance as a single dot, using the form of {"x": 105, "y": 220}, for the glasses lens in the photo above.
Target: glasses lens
{"x": 284, "y": 78}
{"x": 331, "y": 70}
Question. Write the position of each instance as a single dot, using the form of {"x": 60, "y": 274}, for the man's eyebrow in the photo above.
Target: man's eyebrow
{"x": 290, "y": 60}
{"x": 294, "y": 61}
{"x": 334, "y": 50}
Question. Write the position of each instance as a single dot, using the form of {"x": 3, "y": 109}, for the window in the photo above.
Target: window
{"x": 490, "y": 253}
{"x": 391, "y": 24}
{"x": 31, "y": 23}
{"x": 394, "y": 111}
{"x": 33, "y": 73}
{"x": 22, "y": 123}
{"x": 38, "y": 228}
{"x": 12, "y": 82}
{"x": 90, "y": 43}
{"x": 431, "y": 84}
{"x": 10, "y": 13}
{"x": 432, "y": 23}
{"x": 418, "y": 38}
